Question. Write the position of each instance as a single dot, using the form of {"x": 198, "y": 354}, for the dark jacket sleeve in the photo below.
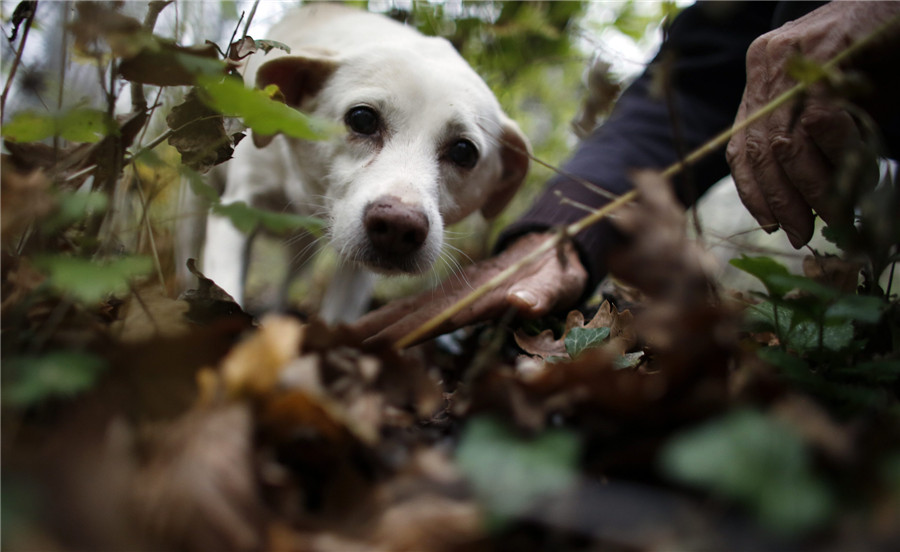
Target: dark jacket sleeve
{"x": 703, "y": 61}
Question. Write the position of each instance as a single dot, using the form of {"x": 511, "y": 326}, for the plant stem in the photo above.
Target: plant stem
{"x": 574, "y": 228}
{"x": 16, "y": 62}
{"x": 250, "y": 17}
{"x": 138, "y": 101}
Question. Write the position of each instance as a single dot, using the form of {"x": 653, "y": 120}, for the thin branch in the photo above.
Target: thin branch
{"x": 250, "y": 17}
{"x": 574, "y": 228}
{"x": 138, "y": 101}
{"x": 16, "y": 61}
{"x": 146, "y": 220}
{"x": 63, "y": 63}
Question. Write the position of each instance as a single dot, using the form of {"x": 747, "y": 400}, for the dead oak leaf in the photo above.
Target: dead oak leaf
{"x": 621, "y": 334}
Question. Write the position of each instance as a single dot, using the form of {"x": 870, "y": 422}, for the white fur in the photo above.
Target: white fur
{"x": 426, "y": 96}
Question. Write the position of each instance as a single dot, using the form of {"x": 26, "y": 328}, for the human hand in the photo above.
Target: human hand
{"x": 783, "y": 174}
{"x": 554, "y": 281}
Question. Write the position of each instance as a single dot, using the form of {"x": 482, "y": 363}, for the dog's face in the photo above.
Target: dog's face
{"x": 426, "y": 144}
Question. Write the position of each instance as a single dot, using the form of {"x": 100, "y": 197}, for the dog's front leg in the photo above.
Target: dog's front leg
{"x": 226, "y": 256}
{"x": 348, "y": 294}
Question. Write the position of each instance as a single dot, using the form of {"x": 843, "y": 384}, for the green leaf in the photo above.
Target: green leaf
{"x": 29, "y": 126}
{"x": 841, "y": 393}
{"x": 258, "y": 111}
{"x": 509, "y": 472}
{"x": 85, "y": 125}
{"x": 764, "y": 268}
{"x": 91, "y": 282}
{"x": 874, "y": 371}
{"x": 752, "y": 459}
{"x": 863, "y": 308}
{"x": 76, "y": 125}
{"x": 248, "y": 219}
{"x": 201, "y": 187}
{"x": 792, "y": 281}
{"x": 201, "y": 65}
{"x": 55, "y": 374}
{"x": 803, "y": 335}
{"x": 73, "y": 207}
{"x": 579, "y": 339}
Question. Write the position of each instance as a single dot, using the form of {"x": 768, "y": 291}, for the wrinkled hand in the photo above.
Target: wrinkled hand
{"x": 555, "y": 281}
{"x": 784, "y": 174}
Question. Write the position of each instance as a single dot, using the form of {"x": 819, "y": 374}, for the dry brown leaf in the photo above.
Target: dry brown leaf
{"x": 833, "y": 271}
{"x": 199, "y": 134}
{"x": 24, "y": 198}
{"x": 160, "y": 64}
{"x": 148, "y": 313}
{"x": 254, "y": 366}
{"x": 196, "y": 489}
{"x": 622, "y": 336}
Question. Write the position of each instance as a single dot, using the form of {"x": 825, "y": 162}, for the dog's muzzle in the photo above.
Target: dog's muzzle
{"x": 396, "y": 233}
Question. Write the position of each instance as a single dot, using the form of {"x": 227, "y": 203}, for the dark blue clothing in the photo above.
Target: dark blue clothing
{"x": 703, "y": 56}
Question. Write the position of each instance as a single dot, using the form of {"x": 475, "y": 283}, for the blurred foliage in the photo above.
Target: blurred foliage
{"x": 510, "y": 473}
{"x": 75, "y": 125}
{"x": 751, "y": 458}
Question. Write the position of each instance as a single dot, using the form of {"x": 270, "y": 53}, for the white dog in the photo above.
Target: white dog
{"x": 426, "y": 144}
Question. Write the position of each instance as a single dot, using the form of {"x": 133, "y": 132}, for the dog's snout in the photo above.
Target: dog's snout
{"x": 395, "y": 228}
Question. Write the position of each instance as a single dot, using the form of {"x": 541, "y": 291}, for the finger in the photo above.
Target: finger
{"x": 785, "y": 202}
{"x": 749, "y": 191}
{"x": 809, "y": 172}
{"x": 555, "y": 285}
{"x": 838, "y": 137}
{"x": 832, "y": 130}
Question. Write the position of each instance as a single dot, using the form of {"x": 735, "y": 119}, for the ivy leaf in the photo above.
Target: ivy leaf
{"x": 248, "y": 219}
{"x": 91, "y": 282}
{"x": 55, "y": 374}
{"x": 801, "y": 334}
{"x": 579, "y": 339}
{"x": 752, "y": 459}
{"x": 765, "y": 268}
{"x": 509, "y": 472}
{"x": 792, "y": 281}
{"x": 259, "y": 111}
{"x": 863, "y": 308}
{"x": 76, "y": 125}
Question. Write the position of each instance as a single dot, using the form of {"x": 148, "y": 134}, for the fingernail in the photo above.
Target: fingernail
{"x": 525, "y": 298}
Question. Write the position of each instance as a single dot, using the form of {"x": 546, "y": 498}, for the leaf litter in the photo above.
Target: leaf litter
{"x": 150, "y": 423}
{"x": 208, "y": 429}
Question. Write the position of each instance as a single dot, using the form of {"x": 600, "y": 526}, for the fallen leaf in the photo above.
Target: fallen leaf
{"x": 255, "y": 365}
{"x": 199, "y": 134}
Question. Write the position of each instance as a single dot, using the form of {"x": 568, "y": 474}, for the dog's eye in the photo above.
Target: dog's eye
{"x": 363, "y": 120}
{"x": 463, "y": 153}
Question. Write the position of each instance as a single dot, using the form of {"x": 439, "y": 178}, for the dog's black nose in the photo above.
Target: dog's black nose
{"x": 395, "y": 228}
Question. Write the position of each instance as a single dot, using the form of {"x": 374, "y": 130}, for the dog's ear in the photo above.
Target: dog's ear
{"x": 298, "y": 78}
{"x": 515, "y": 151}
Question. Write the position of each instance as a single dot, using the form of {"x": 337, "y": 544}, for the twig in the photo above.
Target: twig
{"x": 146, "y": 220}
{"x": 63, "y": 63}
{"x": 574, "y": 228}
{"x": 138, "y": 101}
{"x": 165, "y": 135}
{"x": 16, "y": 61}
{"x": 250, "y": 17}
